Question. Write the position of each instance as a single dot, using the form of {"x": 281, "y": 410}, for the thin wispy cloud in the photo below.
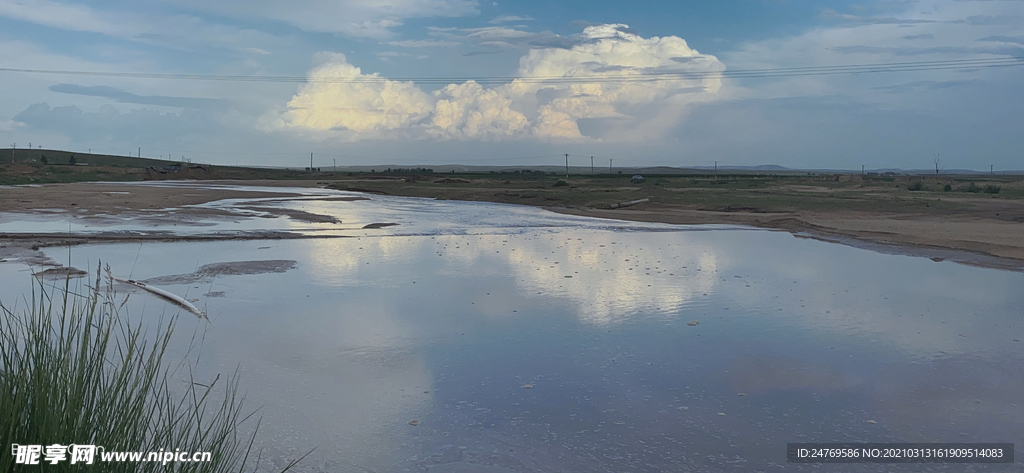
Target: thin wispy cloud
{"x": 124, "y": 96}
{"x": 509, "y": 19}
{"x": 354, "y": 18}
{"x": 422, "y": 43}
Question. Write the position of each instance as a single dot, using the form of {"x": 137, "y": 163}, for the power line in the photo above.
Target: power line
{"x": 635, "y": 76}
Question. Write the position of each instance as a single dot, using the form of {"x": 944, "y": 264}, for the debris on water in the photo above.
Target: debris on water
{"x": 527, "y": 386}
{"x": 741, "y": 394}
{"x": 721, "y": 413}
{"x": 872, "y": 421}
{"x": 378, "y": 225}
{"x": 165, "y": 295}
{"x": 692, "y": 323}
{"x": 414, "y": 422}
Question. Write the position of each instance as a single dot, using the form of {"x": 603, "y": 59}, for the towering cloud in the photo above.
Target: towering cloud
{"x": 615, "y": 84}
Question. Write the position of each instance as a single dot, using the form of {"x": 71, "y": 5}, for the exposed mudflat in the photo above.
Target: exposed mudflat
{"x": 208, "y": 272}
{"x": 294, "y": 214}
{"x": 60, "y": 272}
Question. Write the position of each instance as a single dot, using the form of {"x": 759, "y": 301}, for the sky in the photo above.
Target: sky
{"x": 420, "y": 82}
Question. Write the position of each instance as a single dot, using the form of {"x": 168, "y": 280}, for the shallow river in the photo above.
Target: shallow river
{"x": 521, "y": 340}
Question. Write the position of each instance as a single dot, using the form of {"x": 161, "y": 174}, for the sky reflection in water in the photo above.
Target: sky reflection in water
{"x": 446, "y": 318}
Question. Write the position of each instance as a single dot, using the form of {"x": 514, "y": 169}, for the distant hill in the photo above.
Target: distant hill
{"x": 52, "y": 156}
{"x": 58, "y": 157}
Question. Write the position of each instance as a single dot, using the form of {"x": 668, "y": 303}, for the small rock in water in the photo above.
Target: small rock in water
{"x": 692, "y": 323}
{"x": 527, "y": 386}
{"x": 414, "y": 422}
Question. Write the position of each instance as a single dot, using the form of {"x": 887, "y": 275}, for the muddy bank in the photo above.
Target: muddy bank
{"x": 933, "y": 216}
{"x": 91, "y": 198}
{"x": 981, "y": 242}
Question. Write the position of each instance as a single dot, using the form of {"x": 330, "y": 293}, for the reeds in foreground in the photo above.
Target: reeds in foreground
{"x": 75, "y": 371}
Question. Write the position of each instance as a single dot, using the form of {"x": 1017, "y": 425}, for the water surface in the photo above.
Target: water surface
{"x": 521, "y": 340}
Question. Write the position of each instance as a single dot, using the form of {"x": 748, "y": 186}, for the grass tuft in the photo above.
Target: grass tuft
{"x": 76, "y": 371}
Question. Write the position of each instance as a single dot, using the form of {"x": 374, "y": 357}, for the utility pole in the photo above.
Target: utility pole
{"x": 566, "y": 165}
{"x": 861, "y": 169}
{"x": 310, "y": 162}
{"x": 591, "y": 164}
{"x": 609, "y": 165}
{"x": 14, "y": 146}
{"x": 335, "y": 165}
{"x": 140, "y": 151}
{"x": 716, "y": 171}
{"x": 991, "y": 169}
{"x": 936, "y": 164}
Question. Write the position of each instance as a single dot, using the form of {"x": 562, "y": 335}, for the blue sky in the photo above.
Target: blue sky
{"x": 418, "y": 81}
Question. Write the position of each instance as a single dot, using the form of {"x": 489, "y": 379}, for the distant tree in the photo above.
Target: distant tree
{"x": 72, "y": 160}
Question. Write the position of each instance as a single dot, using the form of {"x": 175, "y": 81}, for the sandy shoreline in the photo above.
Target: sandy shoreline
{"x": 971, "y": 239}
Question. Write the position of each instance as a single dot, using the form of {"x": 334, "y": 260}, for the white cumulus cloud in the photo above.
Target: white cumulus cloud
{"x": 344, "y": 99}
{"x": 602, "y": 83}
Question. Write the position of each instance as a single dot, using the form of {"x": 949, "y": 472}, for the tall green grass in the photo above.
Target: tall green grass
{"x": 76, "y": 371}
